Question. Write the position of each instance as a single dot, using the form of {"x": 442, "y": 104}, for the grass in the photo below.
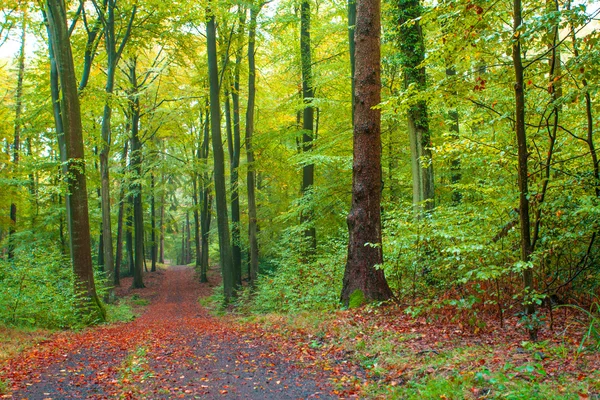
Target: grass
{"x": 15, "y": 340}
{"x": 3, "y": 387}
{"x": 126, "y": 309}
{"x": 408, "y": 361}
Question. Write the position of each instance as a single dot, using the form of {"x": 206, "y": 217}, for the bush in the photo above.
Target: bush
{"x": 36, "y": 290}
{"x": 296, "y": 283}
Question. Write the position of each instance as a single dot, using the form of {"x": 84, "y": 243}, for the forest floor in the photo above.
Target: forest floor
{"x": 177, "y": 349}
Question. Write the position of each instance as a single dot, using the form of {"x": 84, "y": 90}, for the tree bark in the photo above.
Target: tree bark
{"x": 81, "y": 255}
{"x": 251, "y": 172}
{"x": 235, "y": 154}
{"x": 225, "y": 252}
{"x": 412, "y": 49}
{"x": 113, "y": 56}
{"x": 364, "y": 220}
{"x": 455, "y": 167}
{"x": 17, "y": 134}
{"x": 153, "y": 248}
{"x": 351, "y": 46}
{"x": 119, "y": 256}
{"x": 523, "y": 155}
{"x": 136, "y": 165}
{"x": 206, "y": 198}
{"x": 129, "y": 235}
{"x": 308, "y": 93}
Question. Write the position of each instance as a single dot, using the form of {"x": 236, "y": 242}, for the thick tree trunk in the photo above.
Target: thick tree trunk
{"x": 519, "y": 87}
{"x": 225, "y": 252}
{"x": 81, "y": 255}
{"x": 60, "y": 132}
{"x": 361, "y": 277}
{"x": 308, "y": 93}
{"x": 251, "y": 173}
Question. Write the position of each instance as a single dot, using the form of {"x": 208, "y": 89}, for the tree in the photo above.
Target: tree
{"x": 225, "y": 252}
{"x": 136, "y": 166}
{"x": 251, "y": 173}
{"x": 81, "y": 255}
{"x": 235, "y": 146}
{"x": 364, "y": 220}
{"x": 17, "y": 135}
{"x": 412, "y": 51}
{"x": 308, "y": 94}
{"x": 114, "y": 51}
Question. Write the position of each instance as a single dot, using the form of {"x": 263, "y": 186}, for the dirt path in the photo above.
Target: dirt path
{"x": 174, "y": 350}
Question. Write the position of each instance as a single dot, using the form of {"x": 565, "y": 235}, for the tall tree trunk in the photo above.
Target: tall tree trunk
{"x": 351, "y": 45}
{"x": 308, "y": 93}
{"x": 153, "y": 223}
{"x": 129, "y": 236}
{"x": 119, "y": 256}
{"x": 136, "y": 164}
{"x": 60, "y": 132}
{"x": 225, "y": 252}
{"x": 206, "y": 198}
{"x": 412, "y": 48}
{"x": 196, "y": 202}
{"x": 113, "y": 56}
{"x": 362, "y": 280}
{"x": 183, "y": 256}
{"x": 519, "y": 87}
{"x": 81, "y": 254}
{"x": 251, "y": 173}
{"x": 455, "y": 168}
{"x": 161, "y": 249}
{"x": 234, "y": 155}
{"x": 188, "y": 239}
{"x": 235, "y": 200}
{"x": 235, "y": 197}
{"x": 17, "y": 133}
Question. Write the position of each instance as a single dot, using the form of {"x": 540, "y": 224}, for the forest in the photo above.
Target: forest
{"x": 374, "y": 164}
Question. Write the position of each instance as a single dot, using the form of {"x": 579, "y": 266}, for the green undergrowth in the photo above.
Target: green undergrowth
{"x": 3, "y": 387}
{"x": 408, "y": 364}
{"x": 125, "y": 309}
{"x": 37, "y": 290}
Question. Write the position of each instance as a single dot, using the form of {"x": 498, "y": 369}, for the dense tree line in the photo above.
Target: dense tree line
{"x": 449, "y": 147}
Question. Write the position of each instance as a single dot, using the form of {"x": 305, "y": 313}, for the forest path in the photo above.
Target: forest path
{"x": 174, "y": 350}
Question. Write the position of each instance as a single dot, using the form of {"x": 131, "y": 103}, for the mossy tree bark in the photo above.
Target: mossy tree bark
{"x": 364, "y": 221}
